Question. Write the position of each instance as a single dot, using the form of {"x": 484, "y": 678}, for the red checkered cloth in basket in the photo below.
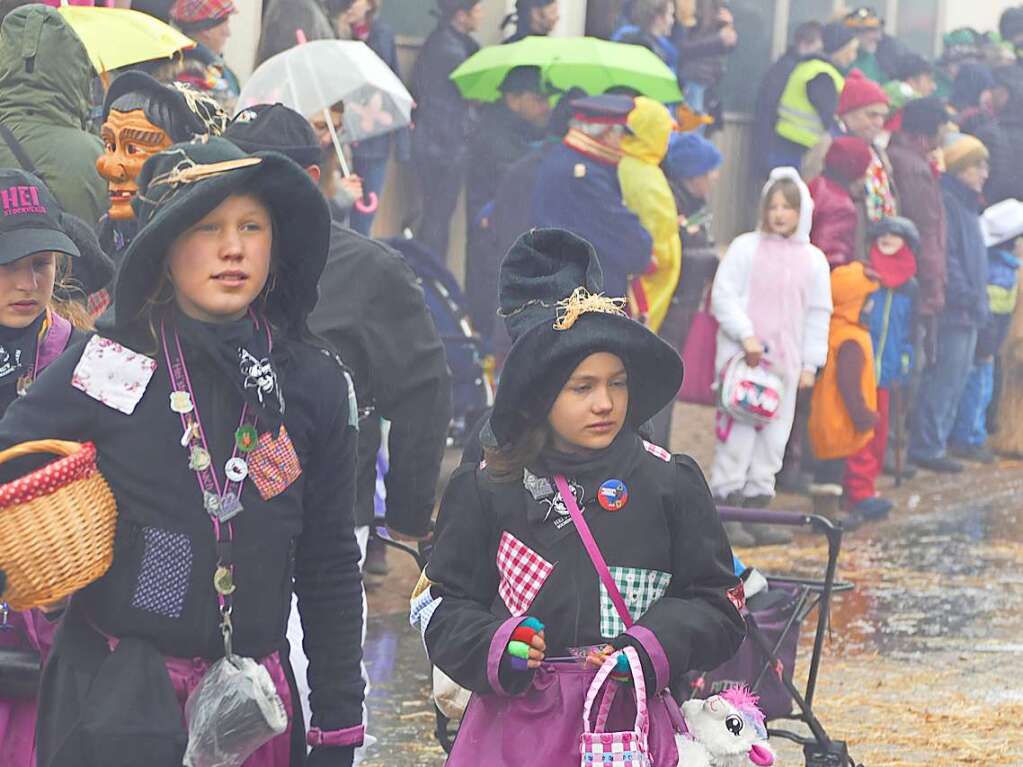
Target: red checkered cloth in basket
{"x": 194, "y": 11}
{"x": 523, "y": 573}
{"x": 50, "y": 478}
{"x": 273, "y": 465}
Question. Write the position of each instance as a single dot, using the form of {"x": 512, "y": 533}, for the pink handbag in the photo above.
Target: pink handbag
{"x": 615, "y": 749}
{"x": 698, "y": 358}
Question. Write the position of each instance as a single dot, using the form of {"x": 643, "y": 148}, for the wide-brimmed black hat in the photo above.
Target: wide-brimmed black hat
{"x": 277, "y": 128}
{"x": 93, "y": 270}
{"x": 550, "y": 297}
{"x": 182, "y": 111}
{"x": 182, "y": 184}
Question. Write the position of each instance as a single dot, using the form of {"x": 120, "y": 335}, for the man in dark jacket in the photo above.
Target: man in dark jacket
{"x": 44, "y": 108}
{"x": 506, "y": 132}
{"x": 444, "y": 120}
{"x": 577, "y": 189}
{"x": 532, "y": 18}
{"x": 966, "y": 305}
{"x": 373, "y": 312}
{"x": 1003, "y": 136}
{"x": 911, "y": 150}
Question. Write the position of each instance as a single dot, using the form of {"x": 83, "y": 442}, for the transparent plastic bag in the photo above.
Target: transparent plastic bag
{"x": 234, "y": 710}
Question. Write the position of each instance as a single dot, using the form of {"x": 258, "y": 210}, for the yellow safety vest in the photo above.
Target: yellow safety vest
{"x": 798, "y": 121}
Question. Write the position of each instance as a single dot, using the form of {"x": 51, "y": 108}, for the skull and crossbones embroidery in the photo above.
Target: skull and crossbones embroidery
{"x": 259, "y": 375}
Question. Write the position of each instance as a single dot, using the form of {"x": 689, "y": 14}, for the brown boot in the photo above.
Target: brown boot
{"x": 766, "y": 535}
{"x": 827, "y": 502}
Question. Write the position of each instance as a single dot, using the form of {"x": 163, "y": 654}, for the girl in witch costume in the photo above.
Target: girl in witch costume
{"x": 511, "y": 605}
{"x": 228, "y": 438}
{"x": 40, "y": 315}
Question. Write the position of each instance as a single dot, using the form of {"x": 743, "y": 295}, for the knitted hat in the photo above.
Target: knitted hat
{"x": 275, "y": 128}
{"x": 962, "y": 151}
{"x": 912, "y": 65}
{"x": 836, "y": 36}
{"x": 1010, "y": 25}
{"x": 525, "y": 79}
{"x": 550, "y": 297}
{"x": 1002, "y": 222}
{"x": 859, "y": 91}
{"x": 848, "y": 158}
{"x": 960, "y": 44}
{"x": 181, "y": 111}
{"x": 924, "y": 117}
{"x": 690, "y": 155}
{"x": 899, "y": 226}
{"x": 863, "y": 18}
{"x": 197, "y": 15}
{"x": 182, "y": 184}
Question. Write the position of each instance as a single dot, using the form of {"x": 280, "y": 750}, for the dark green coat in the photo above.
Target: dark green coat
{"x": 45, "y": 76}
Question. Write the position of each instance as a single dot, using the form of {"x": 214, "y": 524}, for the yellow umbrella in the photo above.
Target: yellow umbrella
{"x": 117, "y": 37}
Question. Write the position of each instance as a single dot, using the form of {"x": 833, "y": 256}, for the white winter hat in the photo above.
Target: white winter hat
{"x": 1002, "y": 222}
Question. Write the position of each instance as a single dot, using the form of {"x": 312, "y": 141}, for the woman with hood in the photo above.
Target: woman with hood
{"x": 772, "y": 298}
{"x": 41, "y": 314}
{"x": 513, "y": 604}
{"x": 227, "y": 435}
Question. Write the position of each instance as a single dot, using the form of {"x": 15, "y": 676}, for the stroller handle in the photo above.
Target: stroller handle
{"x": 764, "y": 516}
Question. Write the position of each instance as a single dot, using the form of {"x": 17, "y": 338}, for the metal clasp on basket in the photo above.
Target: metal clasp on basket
{"x": 5, "y": 611}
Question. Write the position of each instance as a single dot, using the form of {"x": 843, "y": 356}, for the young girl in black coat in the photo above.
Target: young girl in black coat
{"x": 228, "y": 438}
{"x": 579, "y": 380}
{"x": 41, "y": 314}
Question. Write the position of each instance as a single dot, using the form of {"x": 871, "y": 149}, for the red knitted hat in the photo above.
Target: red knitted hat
{"x": 201, "y": 12}
{"x": 848, "y": 158}
{"x": 860, "y": 92}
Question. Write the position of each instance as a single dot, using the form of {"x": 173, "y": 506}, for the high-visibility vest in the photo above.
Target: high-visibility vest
{"x": 798, "y": 121}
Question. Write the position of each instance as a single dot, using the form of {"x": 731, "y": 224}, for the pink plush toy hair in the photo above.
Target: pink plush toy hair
{"x": 745, "y": 701}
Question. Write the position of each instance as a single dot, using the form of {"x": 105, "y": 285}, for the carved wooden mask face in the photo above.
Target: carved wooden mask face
{"x": 129, "y": 139}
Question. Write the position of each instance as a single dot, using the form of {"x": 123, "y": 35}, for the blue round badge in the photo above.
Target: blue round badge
{"x": 613, "y": 495}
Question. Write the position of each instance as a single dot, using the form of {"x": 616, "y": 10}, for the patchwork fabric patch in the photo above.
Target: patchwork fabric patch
{"x": 113, "y": 374}
{"x": 523, "y": 573}
{"x": 657, "y": 450}
{"x": 737, "y": 596}
{"x": 274, "y": 464}
{"x": 640, "y": 588}
{"x": 162, "y": 583}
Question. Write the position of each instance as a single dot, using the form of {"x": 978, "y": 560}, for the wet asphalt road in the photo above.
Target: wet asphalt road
{"x": 923, "y": 664}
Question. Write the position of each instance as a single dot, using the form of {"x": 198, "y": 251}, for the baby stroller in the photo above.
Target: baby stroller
{"x": 471, "y": 389}
{"x": 766, "y": 660}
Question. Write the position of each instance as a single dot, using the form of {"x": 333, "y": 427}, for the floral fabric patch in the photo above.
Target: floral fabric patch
{"x": 113, "y": 374}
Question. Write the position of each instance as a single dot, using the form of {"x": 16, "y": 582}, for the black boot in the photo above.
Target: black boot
{"x": 376, "y": 558}
{"x": 739, "y": 535}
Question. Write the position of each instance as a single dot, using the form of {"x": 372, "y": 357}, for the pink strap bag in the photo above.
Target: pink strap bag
{"x": 615, "y": 749}
{"x": 698, "y": 353}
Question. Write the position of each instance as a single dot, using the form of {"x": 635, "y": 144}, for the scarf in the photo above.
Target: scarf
{"x": 895, "y": 270}
{"x": 879, "y": 199}
{"x": 18, "y": 349}
{"x": 580, "y": 142}
{"x": 585, "y": 473}
{"x": 240, "y": 351}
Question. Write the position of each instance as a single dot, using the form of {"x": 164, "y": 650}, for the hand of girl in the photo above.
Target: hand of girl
{"x": 527, "y": 647}
{"x": 754, "y": 351}
{"x": 807, "y": 379}
{"x": 596, "y": 658}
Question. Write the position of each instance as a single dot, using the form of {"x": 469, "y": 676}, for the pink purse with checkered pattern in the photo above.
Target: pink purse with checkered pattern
{"x": 615, "y": 749}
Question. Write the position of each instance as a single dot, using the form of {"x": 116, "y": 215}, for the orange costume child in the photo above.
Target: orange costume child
{"x": 843, "y": 411}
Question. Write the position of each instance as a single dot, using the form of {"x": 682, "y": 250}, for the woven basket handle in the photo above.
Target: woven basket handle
{"x": 59, "y": 447}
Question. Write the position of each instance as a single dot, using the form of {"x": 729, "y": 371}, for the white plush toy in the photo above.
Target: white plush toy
{"x": 725, "y": 730}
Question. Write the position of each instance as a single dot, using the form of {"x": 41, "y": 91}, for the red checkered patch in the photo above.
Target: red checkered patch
{"x": 737, "y": 596}
{"x": 274, "y": 465}
{"x": 50, "y": 478}
{"x": 523, "y": 573}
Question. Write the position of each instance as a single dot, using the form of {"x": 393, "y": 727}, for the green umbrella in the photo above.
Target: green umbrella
{"x": 584, "y": 62}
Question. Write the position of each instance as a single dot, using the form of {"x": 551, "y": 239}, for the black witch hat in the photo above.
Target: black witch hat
{"x": 551, "y": 301}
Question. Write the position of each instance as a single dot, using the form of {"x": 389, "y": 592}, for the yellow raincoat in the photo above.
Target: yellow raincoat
{"x": 646, "y": 193}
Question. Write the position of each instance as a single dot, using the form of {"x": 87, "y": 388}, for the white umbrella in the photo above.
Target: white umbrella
{"x": 313, "y": 76}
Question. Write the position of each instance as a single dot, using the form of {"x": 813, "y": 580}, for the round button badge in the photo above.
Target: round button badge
{"x": 613, "y": 495}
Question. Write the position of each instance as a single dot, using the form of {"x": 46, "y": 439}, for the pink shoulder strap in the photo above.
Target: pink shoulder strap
{"x": 54, "y": 342}
{"x": 594, "y": 552}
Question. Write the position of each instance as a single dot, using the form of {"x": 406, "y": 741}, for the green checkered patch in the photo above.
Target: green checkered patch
{"x": 640, "y": 588}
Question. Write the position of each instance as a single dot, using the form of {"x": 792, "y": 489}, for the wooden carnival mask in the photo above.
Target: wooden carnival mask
{"x": 129, "y": 139}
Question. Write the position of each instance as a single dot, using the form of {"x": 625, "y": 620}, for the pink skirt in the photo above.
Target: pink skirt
{"x": 30, "y": 631}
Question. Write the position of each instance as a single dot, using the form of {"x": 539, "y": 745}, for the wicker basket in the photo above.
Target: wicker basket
{"x": 56, "y": 525}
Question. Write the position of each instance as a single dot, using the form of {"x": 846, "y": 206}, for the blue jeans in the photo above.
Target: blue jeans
{"x": 970, "y": 429}
{"x": 373, "y": 171}
{"x": 941, "y": 391}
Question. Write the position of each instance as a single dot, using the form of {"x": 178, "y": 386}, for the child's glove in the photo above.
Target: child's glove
{"x": 521, "y": 642}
